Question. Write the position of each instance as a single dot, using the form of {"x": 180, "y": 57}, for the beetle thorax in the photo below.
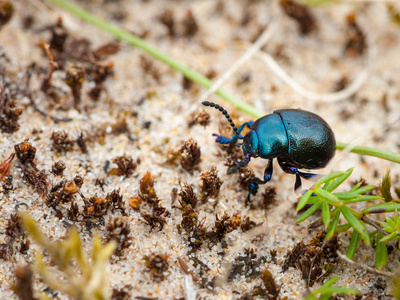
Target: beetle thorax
{"x": 250, "y": 144}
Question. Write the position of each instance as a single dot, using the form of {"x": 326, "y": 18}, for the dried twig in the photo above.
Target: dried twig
{"x": 364, "y": 267}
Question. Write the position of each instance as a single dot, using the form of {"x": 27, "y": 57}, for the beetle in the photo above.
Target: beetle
{"x": 297, "y": 138}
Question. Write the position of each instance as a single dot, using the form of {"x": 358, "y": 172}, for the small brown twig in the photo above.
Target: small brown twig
{"x": 374, "y": 224}
{"x": 364, "y": 267}
{"x": 185, "y": 269}
{"x": 53, "y": 66}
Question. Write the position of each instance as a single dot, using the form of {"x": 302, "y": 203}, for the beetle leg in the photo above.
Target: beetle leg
{"x": 253, "y": 187}
{"x": 267, "y": 174}
{"x": 287, "y": 168}
{"x": 225, "y": 140}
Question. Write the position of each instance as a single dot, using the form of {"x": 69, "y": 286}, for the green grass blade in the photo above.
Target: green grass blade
{"x": 351, "y": 251}
{"x": 352, "y": 219}
{"x": 309, "y": 212}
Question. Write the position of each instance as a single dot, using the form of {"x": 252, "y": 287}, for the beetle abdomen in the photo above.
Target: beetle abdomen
{"x": 311, "y": 140}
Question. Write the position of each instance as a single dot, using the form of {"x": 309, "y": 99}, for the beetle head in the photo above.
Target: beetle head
{"x": 250, "y": 144}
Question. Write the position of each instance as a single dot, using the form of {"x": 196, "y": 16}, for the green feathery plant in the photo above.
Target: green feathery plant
{"x": 336, "y": 204}
{"x": 77, "y": 276}
{"x": 326, "y": 291}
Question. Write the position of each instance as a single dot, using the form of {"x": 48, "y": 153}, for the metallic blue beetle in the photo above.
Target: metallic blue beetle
{"x": 297, "y": 138}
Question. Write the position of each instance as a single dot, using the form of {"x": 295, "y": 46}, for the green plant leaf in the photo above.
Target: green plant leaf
{"x": 347, "y": 196}
{"x": 351, "y": 251}
{"x": 352, "y": 219}
{"x": 330, "y": 198}
{"x": 381, "y": 208}
{"x": 339, "y": 180}
{"x": 332, "y": 226}
{"x": 328, "y": 177}
{"x": 363, "y": 199}
{"x": 355, "y": 187}
{"x": 391, "y": 222}
{"x": 303, "y": 200}
{"x": 366, "y": 237}
{"x": 329, "y": 283}
{"x": 364, "y": 189}
{"x": 381, "y": 254}
{"x": 390, "y": 237}
{"x": 386, "y": 226}
{"x": 327, "y": 290}
{"x": 343, "y": 228}
{"x": 326, "y": 214}
{"x": 340, "y": 290}
{"x": 309, "y": 212}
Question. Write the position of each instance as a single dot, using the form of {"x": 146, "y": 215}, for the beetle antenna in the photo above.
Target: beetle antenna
{"x": 223, "y": 111}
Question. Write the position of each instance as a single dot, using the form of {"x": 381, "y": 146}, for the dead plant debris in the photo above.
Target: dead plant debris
{"x": 148, "y": 203}
{"x": 118, "y": 229}
{"x": 356, "y": 44}
{"x": 315, "y": 260}
{"x": 5, "y": 166}
{"x": 211, "y": 184}
{"x": 126, "y": 166}
{"x": 157, "y": 265}
{"x": 301, "y": 14}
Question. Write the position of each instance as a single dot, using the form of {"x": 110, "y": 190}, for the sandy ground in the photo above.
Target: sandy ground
{"x": 370, "y": 117}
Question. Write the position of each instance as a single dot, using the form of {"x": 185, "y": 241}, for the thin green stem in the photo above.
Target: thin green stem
{"x": 391, "y": 156}
{"x": 139, "y": 43}
{"x": 195, "y": 76}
